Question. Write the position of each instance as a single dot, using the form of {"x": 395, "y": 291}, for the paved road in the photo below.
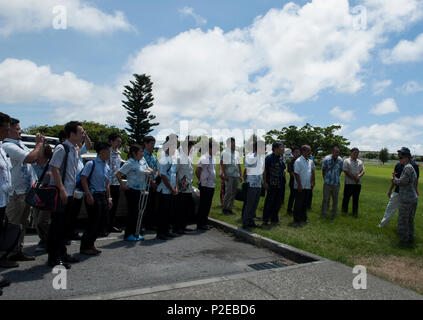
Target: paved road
{"x": 209, "y": 265}
{"x": 123, "y": 266}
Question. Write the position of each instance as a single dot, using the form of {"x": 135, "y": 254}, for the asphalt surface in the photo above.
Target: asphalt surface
{"x": 124, "y": 265}
{"x": 211, "y": 265}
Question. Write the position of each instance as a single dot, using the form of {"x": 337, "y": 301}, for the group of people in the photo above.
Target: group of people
{"x": 166, "y": 188}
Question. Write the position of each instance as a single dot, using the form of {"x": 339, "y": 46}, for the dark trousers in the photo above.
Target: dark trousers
{"x": 111, "y": 217}
{"x": 56, "y": 243}
{"x": 206, "y": 199}
{"x": 272, "y": 204}
{"x": 150, "y": 216}
{"x": 72, "y": 218}
{"x": 184, "y": 210}
{"x": 96, "y": 215}
{"x": 166, "y": 213}
{"x": 9, "y": 235}
{"x": 292, "y": 195}
{"x": 351, "y": 190}
{"x": 132, "y": 200}
{"x": 301, "y": 203}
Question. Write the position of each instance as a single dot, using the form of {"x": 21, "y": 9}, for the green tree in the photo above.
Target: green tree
{"x": 321, "y": 140}
{"x": 384, "y": 155}
{"x": 139, "y": 99}
{"x": 96, "y": 131}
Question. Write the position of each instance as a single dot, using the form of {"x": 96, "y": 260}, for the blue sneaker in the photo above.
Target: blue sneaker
{"x": 132, "y": 238}
{"x": 140, "y": 238}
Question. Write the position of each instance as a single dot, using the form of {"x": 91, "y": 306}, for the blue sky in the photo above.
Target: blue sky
{"x": 260, "y": 64}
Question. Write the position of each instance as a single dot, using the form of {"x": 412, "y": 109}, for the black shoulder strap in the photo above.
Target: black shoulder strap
{"x": 41, "y": 179}
{"x": 65, "y": 161}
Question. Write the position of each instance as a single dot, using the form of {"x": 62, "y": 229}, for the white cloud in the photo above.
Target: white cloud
{"x": 380, "y": 86}
{"x": 392, "y": 15}
{"x": 22, "y": 81}
{"x": 344, "y": 115}
{"x": 403, "y": 132}
{"x": 385, "y": 107}
{"x": 188, "y": 11}
{"x": 411, "y": 87}
{"x": 37, "y": 15}
{"x": 405, "y": 51}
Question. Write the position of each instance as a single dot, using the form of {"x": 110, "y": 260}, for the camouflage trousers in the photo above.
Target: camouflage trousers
{"x": 406, "y": 214}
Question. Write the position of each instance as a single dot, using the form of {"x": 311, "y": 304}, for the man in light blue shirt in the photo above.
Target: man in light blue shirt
{"x": 95, "y": 179}
{"x": 167, "y": 188}
{"x": 332, "y": 167}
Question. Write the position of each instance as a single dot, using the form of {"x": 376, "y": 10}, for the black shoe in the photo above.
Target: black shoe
{"x": 171, "y": 235}
{"x": 68, "y": 258}
{"x": 4, "y": 283}
{"x": 115, "y": 230}
{"x": 58, "y": 262}
{"x": 162, "y": 237}
{"x": 180, "y": 232}
{"x": 20, "y": 256}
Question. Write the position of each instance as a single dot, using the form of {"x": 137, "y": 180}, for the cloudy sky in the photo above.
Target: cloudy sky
{"x": 222, "y": 64}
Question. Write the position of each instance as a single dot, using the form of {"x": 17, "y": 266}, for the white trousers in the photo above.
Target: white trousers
{"x": 393, "y": 205}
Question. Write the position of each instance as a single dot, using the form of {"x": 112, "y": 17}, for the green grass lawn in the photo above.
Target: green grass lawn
{"x": 346, "y": 239}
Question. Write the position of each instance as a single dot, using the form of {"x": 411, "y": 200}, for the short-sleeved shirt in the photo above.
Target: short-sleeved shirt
{"x": 100, "y": 176}
{"x": 254, "y": 165}
{"x": 5, "y": 178}
{"x": 275, "y": 167}
{"x": 398, "y": 171}
{"x": 114, "y": 164}
{"x": 208, "y": 173}
{"x": 23, "y": 176}
{"x": 167, "y": 167}
{"x": 231, "y": 160}
{"x": 39, "y": 171}
{"x": 354, "y": 167}
{"x": 334, "y": 169}
{"x": 136, "y": 173}
{"x": 152, "y": 162}
{"x": 304, "y": 168}
{"x": 80, "y": 161}
{"x": 71, "y": 167}
{"x": 184, "y": 173}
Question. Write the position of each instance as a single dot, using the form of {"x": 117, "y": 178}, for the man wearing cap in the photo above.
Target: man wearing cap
{"x": 407, "y": 197}
{"x": 393, "y": 193}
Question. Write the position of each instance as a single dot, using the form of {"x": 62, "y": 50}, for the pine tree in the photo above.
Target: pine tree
{"x": 139, "y": 99}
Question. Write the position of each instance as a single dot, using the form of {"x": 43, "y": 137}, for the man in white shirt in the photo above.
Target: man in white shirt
{"x": 206, "y": 175}
{"x": 231, "y": 174}
{"x": 23, "y": 177}
{"x": 304, "y": 171}
{"x": 9, "y": 233}
{"x": 184, "y": 180}
{"x": 64, "y": 165}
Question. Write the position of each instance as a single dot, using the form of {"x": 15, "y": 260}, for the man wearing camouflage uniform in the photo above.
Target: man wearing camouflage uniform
{"x": 407, "y": 196}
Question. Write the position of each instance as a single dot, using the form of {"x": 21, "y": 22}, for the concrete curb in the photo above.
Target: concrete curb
{"x": 291, "y": 253}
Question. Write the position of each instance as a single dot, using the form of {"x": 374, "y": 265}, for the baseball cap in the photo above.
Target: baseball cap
{"x": 405, "y": 151}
